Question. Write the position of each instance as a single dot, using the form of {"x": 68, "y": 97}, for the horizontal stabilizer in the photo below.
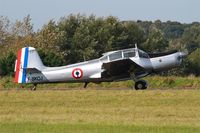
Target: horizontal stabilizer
{"x": 32, "y": 70}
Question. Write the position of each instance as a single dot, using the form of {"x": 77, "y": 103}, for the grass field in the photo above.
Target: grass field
{"x": 155, "y": 82}
{"x": 99, "y": 111}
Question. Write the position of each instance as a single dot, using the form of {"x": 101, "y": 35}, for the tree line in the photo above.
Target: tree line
{"x": 77, "y": 38}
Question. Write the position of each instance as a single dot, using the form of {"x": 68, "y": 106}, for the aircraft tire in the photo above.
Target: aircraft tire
{"x": 34, "y": 87}
{"x": 141, "y": 85}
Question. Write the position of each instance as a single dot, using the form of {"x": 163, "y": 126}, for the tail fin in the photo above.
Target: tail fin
{"x": 27, "y": 58}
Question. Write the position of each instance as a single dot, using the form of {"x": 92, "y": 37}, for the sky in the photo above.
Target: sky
{"x": 41, "y": 11}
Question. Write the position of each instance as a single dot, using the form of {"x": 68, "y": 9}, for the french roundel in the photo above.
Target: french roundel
{"x": 77, "y": 73}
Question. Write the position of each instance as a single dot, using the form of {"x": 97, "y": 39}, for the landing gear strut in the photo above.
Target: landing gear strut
{"x": 141, "y": 85}
{"x": 85, "y": 85}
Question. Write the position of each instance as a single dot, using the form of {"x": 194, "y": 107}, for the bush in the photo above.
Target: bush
{"x": 7, "y": 64}
{"x": 192, "y": 63}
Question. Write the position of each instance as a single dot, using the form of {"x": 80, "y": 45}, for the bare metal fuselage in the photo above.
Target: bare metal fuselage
{"x": 92, "y": 71}
{"x": 118, "y": 65}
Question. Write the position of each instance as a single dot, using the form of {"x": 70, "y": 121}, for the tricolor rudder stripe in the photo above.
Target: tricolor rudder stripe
{"x": 21, "y": 65}
{"x": 17, "y": 65}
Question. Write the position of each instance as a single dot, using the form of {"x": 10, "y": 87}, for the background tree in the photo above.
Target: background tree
{"x": 77, "y": 38}
{"x": 193, "y": 63}
{"x": 191, "y": 37}
{"x": 130, "y": 34}
{"x": 155, "y": 41}
{"x": 4, "y": 30}
{"x": 22, "y": 28}
{"x": 7, "y": 64}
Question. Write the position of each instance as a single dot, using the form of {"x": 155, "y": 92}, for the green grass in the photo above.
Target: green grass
{"x": 99, "y": 111}
{"x": 155, "y": 82}
{"x": 93, "y": 128}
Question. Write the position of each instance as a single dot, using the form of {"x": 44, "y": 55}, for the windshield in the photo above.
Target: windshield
{"x": 142, "y": 54}
{"x": 104, "y": 59}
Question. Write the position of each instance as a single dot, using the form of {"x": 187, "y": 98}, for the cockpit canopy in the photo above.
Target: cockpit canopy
{"x": 143, "y": 54}
{"x": 123, "y": 54}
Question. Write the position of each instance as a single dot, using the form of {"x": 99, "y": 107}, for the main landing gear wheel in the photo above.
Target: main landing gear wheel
{"x": 141, "y": 85}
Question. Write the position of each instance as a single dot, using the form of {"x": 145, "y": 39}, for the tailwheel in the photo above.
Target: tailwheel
{"x": 141, "y": 85}
{"x": 34, "y": 87}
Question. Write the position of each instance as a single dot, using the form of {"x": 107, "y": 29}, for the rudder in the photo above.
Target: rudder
{"x": 27, "y": 58}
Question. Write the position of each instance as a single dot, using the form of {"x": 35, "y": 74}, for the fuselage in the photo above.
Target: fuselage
{"x": 91, "y": 71}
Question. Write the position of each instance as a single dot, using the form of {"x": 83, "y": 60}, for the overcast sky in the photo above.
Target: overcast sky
{"x": 41, "y": 11}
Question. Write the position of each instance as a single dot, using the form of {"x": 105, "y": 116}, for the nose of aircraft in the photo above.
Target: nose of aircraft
{"x": 182, "y": 55}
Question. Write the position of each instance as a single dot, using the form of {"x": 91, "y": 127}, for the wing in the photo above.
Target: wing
{"x": 121, "y": 69}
